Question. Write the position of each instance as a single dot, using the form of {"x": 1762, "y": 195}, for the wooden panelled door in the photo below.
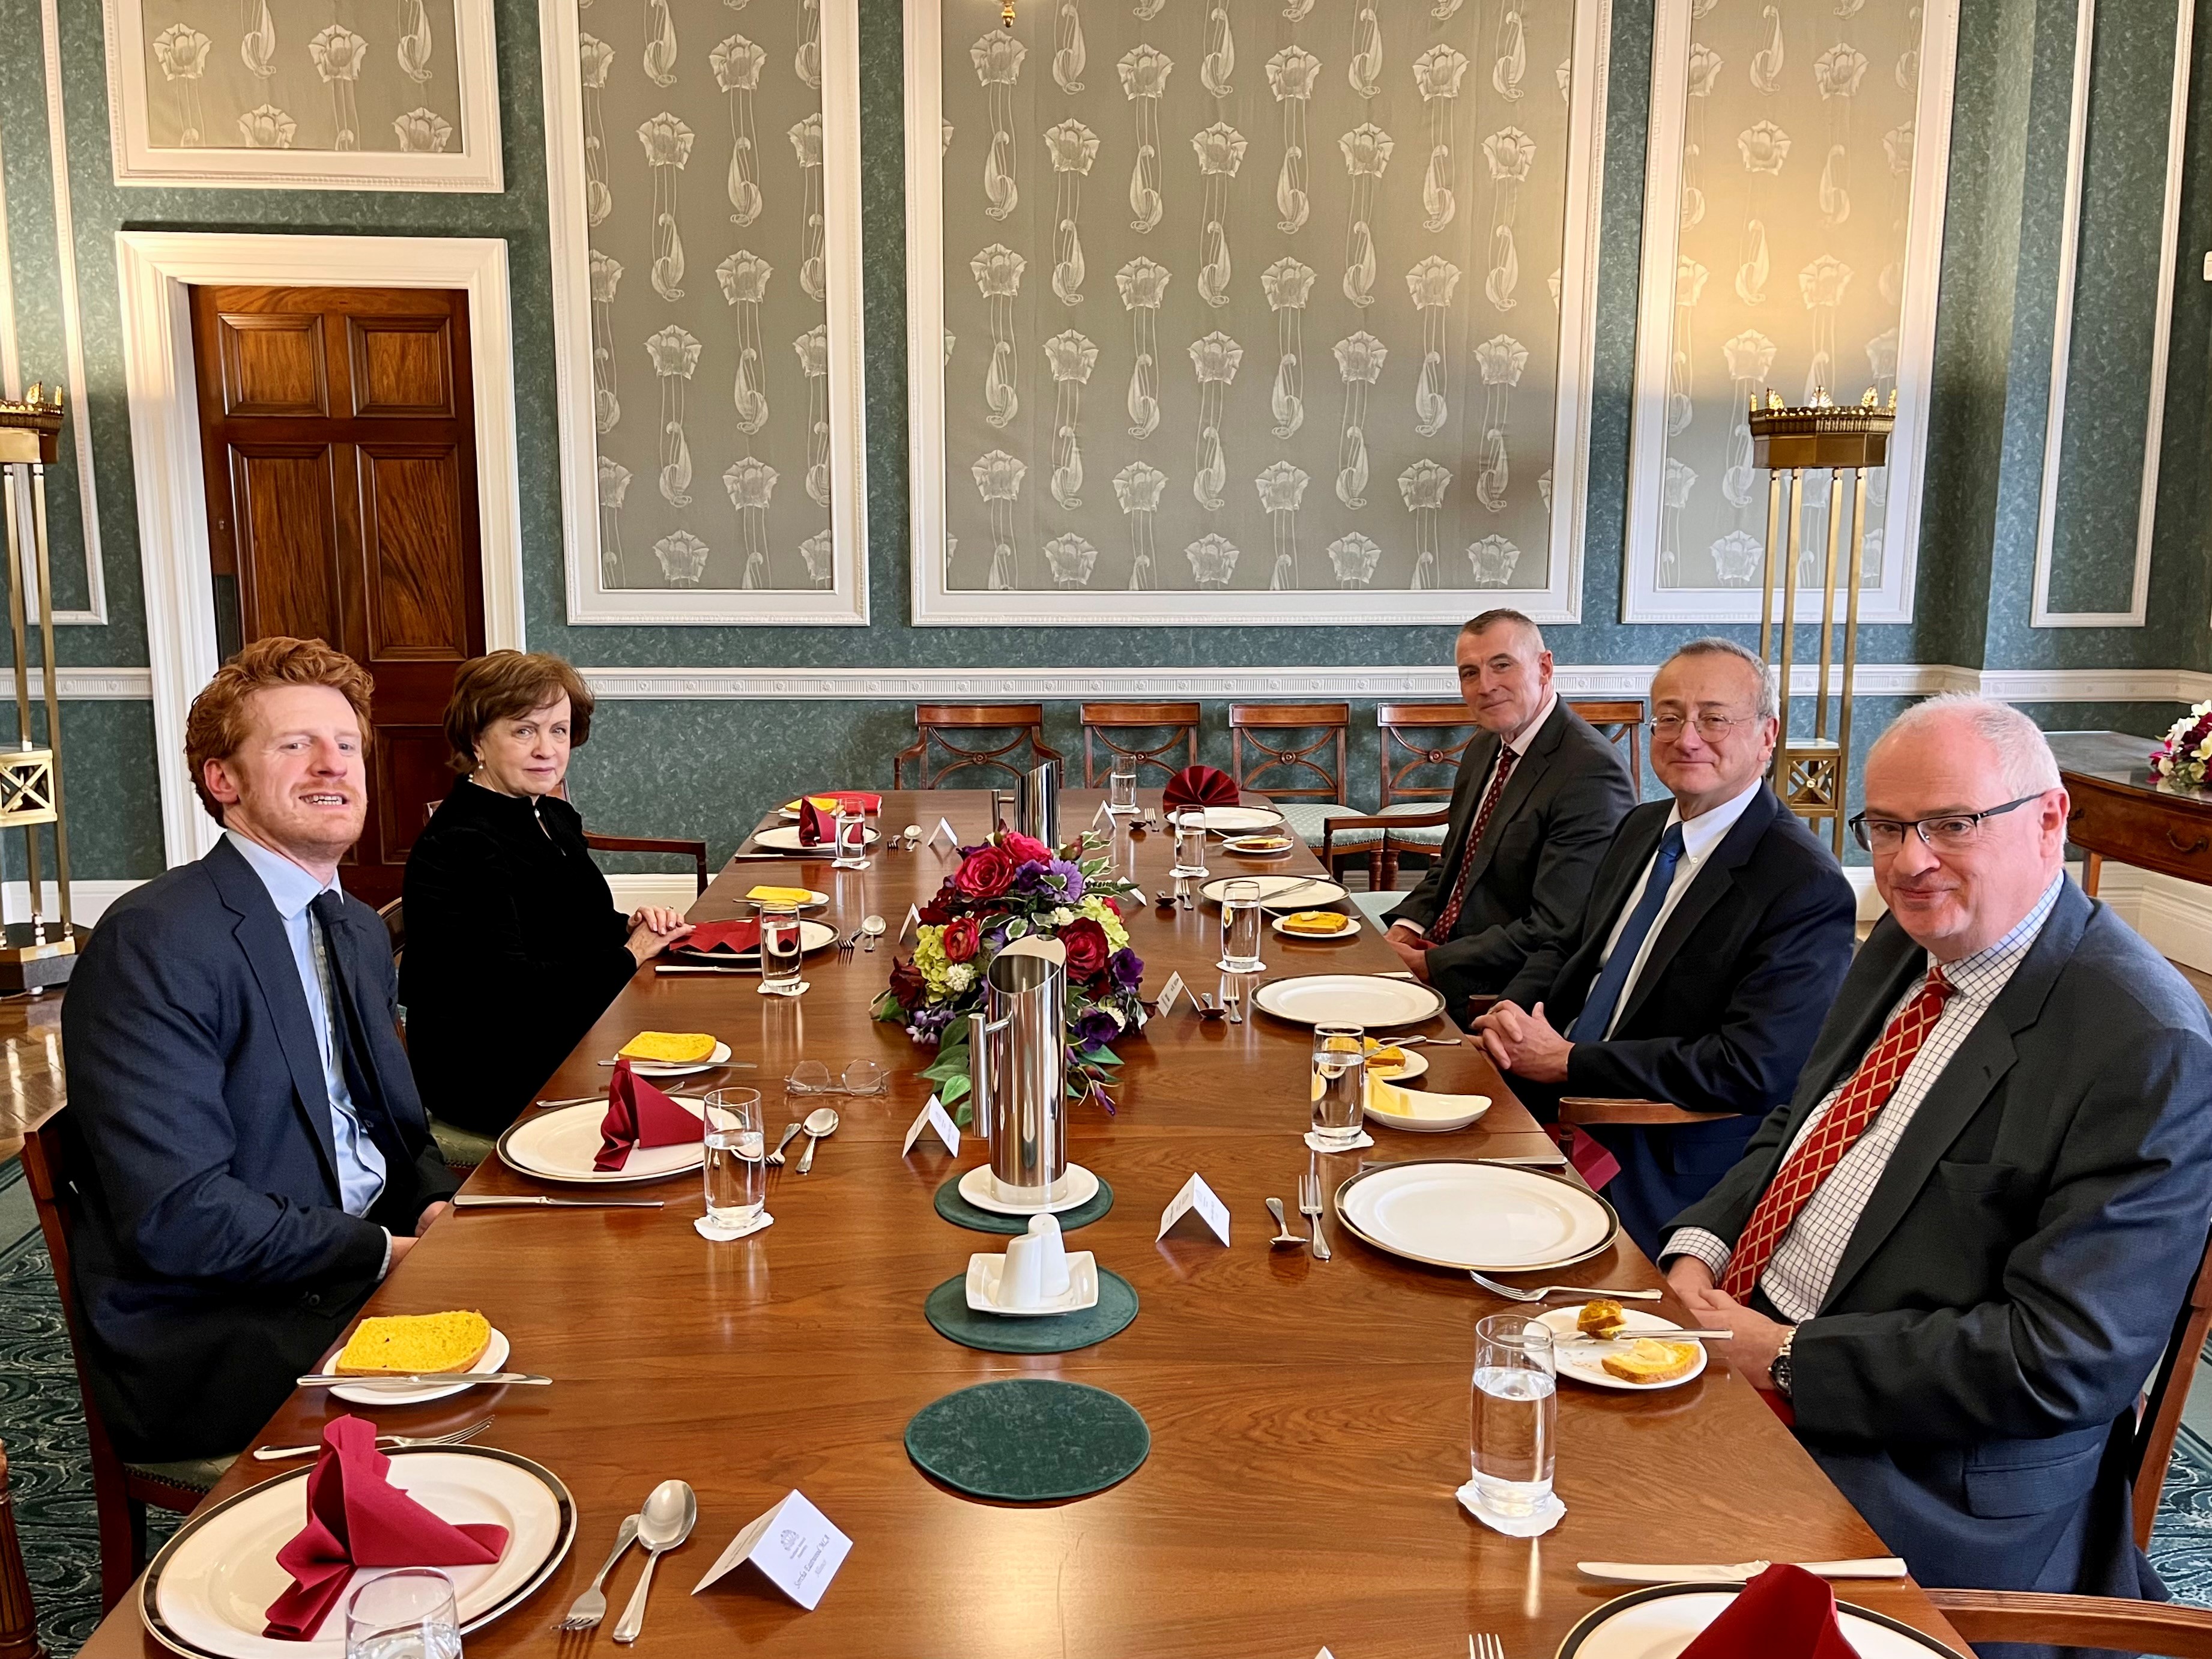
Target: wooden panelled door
{"x": 339, "y": 437}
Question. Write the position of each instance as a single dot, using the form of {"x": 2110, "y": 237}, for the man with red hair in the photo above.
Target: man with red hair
{"x": 251, "y": 1153}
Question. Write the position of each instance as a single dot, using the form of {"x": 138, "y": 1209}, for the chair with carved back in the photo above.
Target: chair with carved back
{"x": 19, "y": 1619}
{"x": 680, "y": 847}
{"x": 1305, "y": 779}
{"x": 2158, "y": 1418}
{"x": 120, "y": 1491}
{"x": 936, "y": 754}
{"x": 1117, "y": 727}
{"x": 2107, "y": 1623}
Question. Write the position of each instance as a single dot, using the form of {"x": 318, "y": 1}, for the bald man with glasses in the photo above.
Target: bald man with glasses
{"x": 1955, "y": 1257}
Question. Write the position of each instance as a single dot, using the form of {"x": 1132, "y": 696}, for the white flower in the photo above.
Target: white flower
{"x": 266, "y": 127}
{"x": 744, "y": 276}
{"x": 1061, "y": 915}
{"x": 337, "y": 52}
{"x": 424, "y": 132}
{"x": 1897, "y": 145}
{"x": 1510, "y": 151}
{"x": 597, "y": 57}
{"x": 1071, "y": 357}
{"x": 1501, "y": 358}
{"x": 1143, "y": 284}
{"x": 1422, "y": 484}
{"x": 1215, "y": 357}
{"x": 667, "y": 141}
{"x": 998, "y": 269}
{"x": 614, "y": 484}
{"x": 1737, "y": 557}
{"x": 1491, "y": 560}
{"x": 1070, "y": 559}
{"x": 1359, "y": 357}
{"x": 1366, "y": 151}
{"x": 999, "y": 476}
{"x": 1436, "y": 72}
{"x": 1220, "y": 149}
{"x": 1286, "y": 284}
{"x": 674, "y": 352}
{"x": 1213, "y": 559}
{"x": 1145, "y": 72}
{"x": 998, "y": 57}
{"x": 750, "y": 482}
{"x": 1072, "y": 146}
{"x": 816, "y": 550}
{"x": 682, "y": 558}
{"x": 1291, "y": 72}
{"x": 1764, "y": 146}
{"x": 1705, "y": 70}
{"x": 1354, "y": 557}
{"x": 813, "y": 349}
{"x": 181, "y": 51}
{"x": 1281, "y": 487}
{"x": 806, "y": 140}
{"x": 1750, "y": 355}
{"x": 1823, "y": 281}
{"x": 1837, "y": 70}
{"x": 1139, "y": 487}
{"x": 959, "y": 975}
{"x": 737, "y": 63}
{"x": 1432, "y": 282}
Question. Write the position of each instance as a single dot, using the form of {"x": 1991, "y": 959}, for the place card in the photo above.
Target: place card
{"x": 1106, "y": 812}
{"x": 911, "y": 927}
{"x": 945, "y": 828}
{"x": 795, "y": 1545}
{"x": 1196, "y": 1199}
{"x": 1174, "y": 987}
{"x": 936, "y": 1118}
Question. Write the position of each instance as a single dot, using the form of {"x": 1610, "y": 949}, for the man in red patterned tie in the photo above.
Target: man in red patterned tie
{"x": 1539, "y": 797}
{"x": 1954, "y": 1258}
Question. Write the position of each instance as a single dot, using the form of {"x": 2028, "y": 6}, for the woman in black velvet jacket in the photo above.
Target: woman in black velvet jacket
{"x": 514, "y": 945}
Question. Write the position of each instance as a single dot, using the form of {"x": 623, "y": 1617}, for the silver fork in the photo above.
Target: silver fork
{"x": 1229, "y": 999}
{"x": 790, "y": 1133}
{"x": 383, "y": 1443}
{"x": 1310, "y": 1207}
{"x": 591, "y": 1607}
{"x": 845, "y": 946}
{"x": 1485, "y": 1647}
{"x": 1513, "y": 1293}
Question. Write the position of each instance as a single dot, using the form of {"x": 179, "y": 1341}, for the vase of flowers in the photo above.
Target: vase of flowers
{"x": 1013, "y": 886}
{"x": 2186, "y": 752}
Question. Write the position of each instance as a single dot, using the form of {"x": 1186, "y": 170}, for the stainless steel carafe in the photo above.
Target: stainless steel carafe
{"x": 1018, "y": 1065}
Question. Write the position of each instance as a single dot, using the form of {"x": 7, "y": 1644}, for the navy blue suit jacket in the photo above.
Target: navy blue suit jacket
{"x": 1970, "y": 1380}
{"x": 213, "y": 1261}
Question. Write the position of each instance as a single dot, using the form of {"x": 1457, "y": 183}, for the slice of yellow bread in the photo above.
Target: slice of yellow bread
{"x": 1315, "y": 921}
{"x": 781, "y": 895}
{"x": 669, "y": 1047}
{"x": 403, "y": 1343}
{"x": 1648, "y": 1362}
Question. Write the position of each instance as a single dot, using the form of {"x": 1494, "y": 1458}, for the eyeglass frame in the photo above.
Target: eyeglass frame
{"x": 838, "y": 1086}
{"x": 1728, "y": 724}
{"x": 1919, "y": 826}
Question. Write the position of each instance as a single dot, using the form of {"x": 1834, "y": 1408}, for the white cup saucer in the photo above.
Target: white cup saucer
{"x": 985, "y": 1269}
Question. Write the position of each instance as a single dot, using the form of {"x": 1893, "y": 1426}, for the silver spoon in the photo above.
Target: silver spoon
{"x": 1282, "y": 1233}
{"x": 874, "y": 927}
{"x": 667, "y": 1521}
{"x": 822, "y": 1121}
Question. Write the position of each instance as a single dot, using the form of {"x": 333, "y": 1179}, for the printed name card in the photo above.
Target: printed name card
{"x": 1195, "y": 1200}
{"x": 1106, "y": 814}
{"x": 1174, "y": 987}
{"x": 911, "y": 927}
{"x": 793, "y": 1545}
{"x": 938, "y": 1121}
{"x": 945, "y": 828}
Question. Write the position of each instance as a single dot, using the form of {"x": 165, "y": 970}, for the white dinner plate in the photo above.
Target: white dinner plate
{"x": 1587, "y": 1367}
{"x": 1230, "y": 820}
{"x": 1350, "y": 930}
{"x": 980, "y": 1189}
{"x": 985, "y": 1270}
{"x": 1261, "y": 846}
{"x": 812, "y": 936}
{"x": 1411, "y": 1062}
{"x": 685, "y": 1068}
{"x": 370, "y": 1392}
{"x": 1490, "y": 1217}
{"x": 1282, "y": 892}
{"x": 207, "y": 1593}
{"x": 1375, "y": 1001}
{"x": 787, "y": 840}
{"x": 560, "y": 1145}
{"x": 1428, "y": 1113}
{"x": 1658, "y": 1623}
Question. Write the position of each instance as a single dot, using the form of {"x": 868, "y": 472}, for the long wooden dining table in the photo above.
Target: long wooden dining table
{"x": 1310, "y": 1419}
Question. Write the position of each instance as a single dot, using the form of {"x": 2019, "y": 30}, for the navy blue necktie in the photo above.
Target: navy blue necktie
{"x": 1590, "y": 1024}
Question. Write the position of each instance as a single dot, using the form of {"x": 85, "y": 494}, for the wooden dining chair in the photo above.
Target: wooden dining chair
{"x": 19, "y": 1619}
{"x": 1101, "y": 722}
{"x": 120, "y": 1491}
{"x": 1305, "y": 779}
{"x": 675, "y": 846}
{"x": 394, "y": 918}
{"x": 2158, "y": 1416}
{"x": 936, "y": 754}
{"x": 2109, "y": 1623}
{"x": 1621, "y": 720}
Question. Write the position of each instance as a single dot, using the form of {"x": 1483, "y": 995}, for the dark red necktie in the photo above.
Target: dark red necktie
{"x": 1448, "y": 918}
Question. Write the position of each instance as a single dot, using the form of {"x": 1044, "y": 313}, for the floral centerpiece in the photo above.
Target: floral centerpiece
{"x": 2186, "y": 753}
{"x": 1013, "y": 886}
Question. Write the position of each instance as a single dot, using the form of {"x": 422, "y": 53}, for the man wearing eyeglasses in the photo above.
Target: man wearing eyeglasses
{"x": 1717, "y": 929}
{"x": 1958, "y": 1252}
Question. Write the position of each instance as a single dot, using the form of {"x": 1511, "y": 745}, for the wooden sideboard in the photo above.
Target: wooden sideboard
{"x": 2120, "y": 811}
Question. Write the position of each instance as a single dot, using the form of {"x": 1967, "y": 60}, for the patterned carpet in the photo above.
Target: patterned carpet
{"x": 42, "y": 1422}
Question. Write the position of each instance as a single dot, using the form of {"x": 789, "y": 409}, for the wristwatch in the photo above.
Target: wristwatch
{"x": 1780, "y": 1370}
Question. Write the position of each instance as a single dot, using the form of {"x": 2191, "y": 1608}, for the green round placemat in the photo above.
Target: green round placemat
{"x": 948, "y": 1310}
{"x": 1029, "y": 1439}
{"x": 961, "y": 1213}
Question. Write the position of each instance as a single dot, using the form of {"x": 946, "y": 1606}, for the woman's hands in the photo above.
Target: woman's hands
{"x": 652, "y": 929}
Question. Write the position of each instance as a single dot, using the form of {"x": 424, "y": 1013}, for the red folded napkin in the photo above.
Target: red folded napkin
{"x": 734, "y": 936}
{"x": 1786, "y": 1613}
{"x": 816, "y": 826}
{"x": 1200, "y": 785}
{"x": 357, "y": 1518}
{"x": 639, "y": 1114}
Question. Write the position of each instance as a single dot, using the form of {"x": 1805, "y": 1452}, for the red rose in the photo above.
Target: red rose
{"x": 985, "y": 873}
{"x": 937, "y": 912}
{"x": 1087, "y": 949}
{"x": 1026, "y": 849}
{"x": 907, "y": 988}
{"x": 961, "y": 939}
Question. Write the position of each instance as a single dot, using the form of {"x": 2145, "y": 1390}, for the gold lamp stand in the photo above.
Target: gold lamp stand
{"x": 1813, "y": 774}
{"x": 36, "y": 953}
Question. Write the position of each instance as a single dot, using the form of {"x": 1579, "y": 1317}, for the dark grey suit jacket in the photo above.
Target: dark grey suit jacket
{"x": 1532, "y": 872}
{"x": 215, "y": 1261}
{"x": 2015, "y": 1273}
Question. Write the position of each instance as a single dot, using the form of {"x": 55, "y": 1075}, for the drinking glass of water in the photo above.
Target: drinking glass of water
{"x": 737, "y": 1157}
{"x": 779, "y": 948}
{"x": 1121, "y": 793}
{"x": 851, "y": 840}
{"x": 1515, "y": 1410}
{"x": 1339, "y": 1071}
{"x": 1240, "y": 928}
{"x": 1190, "y": 845}
{"x": 407, "y": 1614}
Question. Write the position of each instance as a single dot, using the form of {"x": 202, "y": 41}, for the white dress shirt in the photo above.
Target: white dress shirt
{"x": 1797, "y": 1277}
{"x": 292, "y": 890}
{"x": 1700, "y": 835}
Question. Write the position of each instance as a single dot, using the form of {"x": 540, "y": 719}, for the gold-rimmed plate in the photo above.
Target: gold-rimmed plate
{"x": 1464, "y": 1213}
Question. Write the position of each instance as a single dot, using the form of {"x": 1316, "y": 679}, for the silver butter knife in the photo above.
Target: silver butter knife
{"x": 331, "y": 1379}
{"x": 1676, "y": 1573}
{"x": 539, "y": 1201}
{"x": 1634, "y": 1336}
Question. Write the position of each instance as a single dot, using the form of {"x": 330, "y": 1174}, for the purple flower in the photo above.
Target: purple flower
{"x": 1095, "y": 1028}
{"x": 1128, "y": 969}
{"x": 1071, "y": 878}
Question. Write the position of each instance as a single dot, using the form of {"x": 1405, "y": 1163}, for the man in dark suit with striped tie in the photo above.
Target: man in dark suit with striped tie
{"x": 1956, "y": 1254}
{"x": 1540, "y": 794}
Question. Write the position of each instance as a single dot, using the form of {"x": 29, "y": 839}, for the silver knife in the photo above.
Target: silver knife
{"x": 331, "y": 1379}
{"x": 1635, "y": 1335}
{"x": 1533, "y": 1161}
{"x": 520, "y": 1200}
{"x": 1676, "y": 1573}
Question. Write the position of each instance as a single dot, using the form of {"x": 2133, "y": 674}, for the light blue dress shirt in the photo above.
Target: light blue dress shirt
{"x": 360, "y": 1163}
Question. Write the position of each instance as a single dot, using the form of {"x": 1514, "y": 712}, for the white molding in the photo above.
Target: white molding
{"x": 88, "y": 485}
{"x": 89, "y": 900}
{"x": 845, "y": 602}
{"x": 2041, "y": 614}
{"x": 642, "y": 887}
{"x": 1641, "y": 599}
{"x": 476, "y": 165}
{"x": 154, "y": 269}
{"x": 933, "y": 606}
{"x": 96, "y": 684}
